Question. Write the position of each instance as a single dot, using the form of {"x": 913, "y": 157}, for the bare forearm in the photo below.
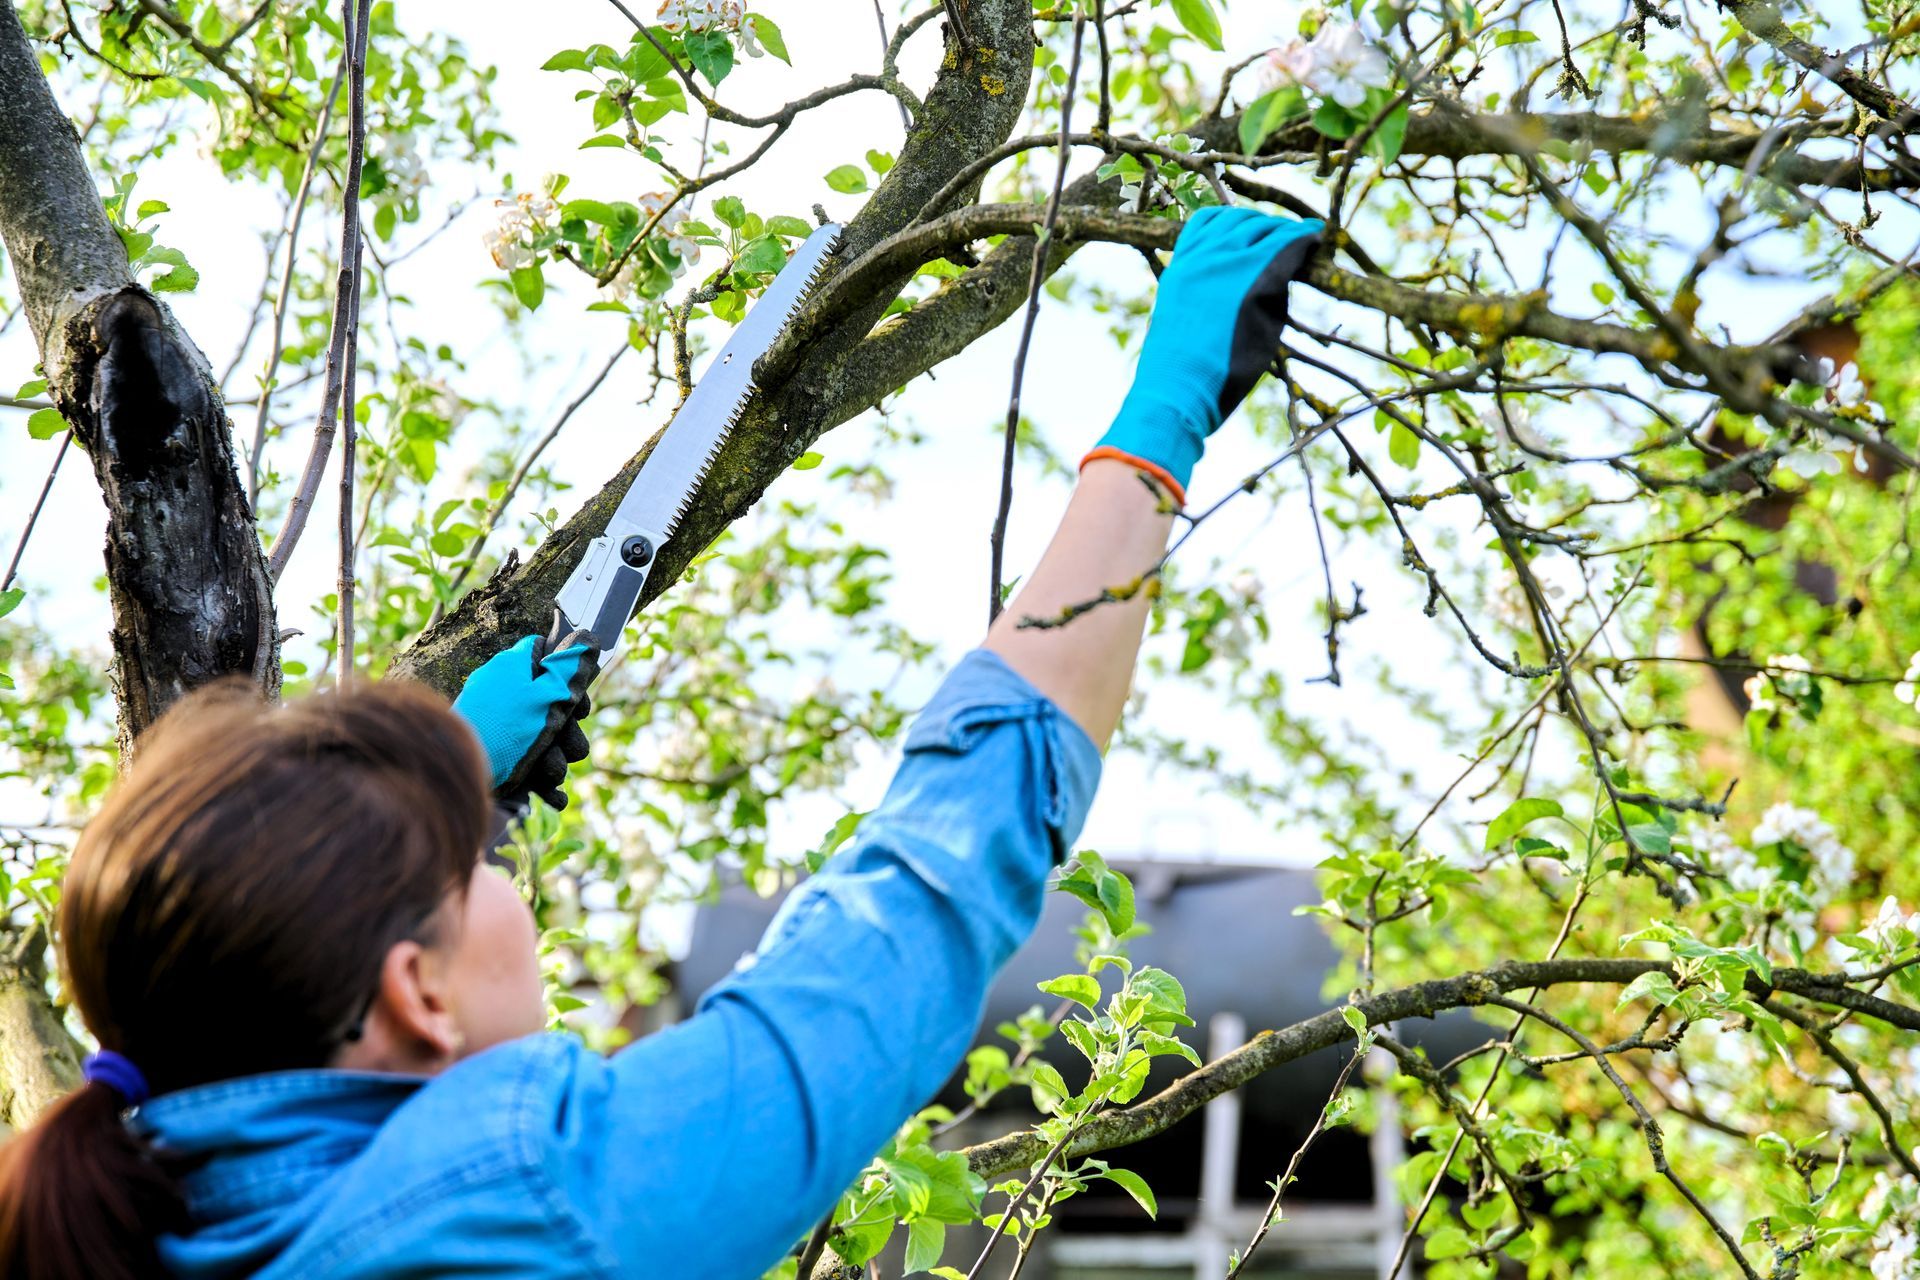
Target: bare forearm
{"x": 1113, "y": 534}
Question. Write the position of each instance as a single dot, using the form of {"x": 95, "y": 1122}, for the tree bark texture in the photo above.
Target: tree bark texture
{"x": 190, "y": 594}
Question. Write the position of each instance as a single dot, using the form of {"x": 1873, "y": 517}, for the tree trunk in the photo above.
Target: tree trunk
{"x": 191, "y": 598}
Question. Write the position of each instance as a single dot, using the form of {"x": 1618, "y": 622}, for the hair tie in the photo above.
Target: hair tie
{"x": 118, "y": 1073}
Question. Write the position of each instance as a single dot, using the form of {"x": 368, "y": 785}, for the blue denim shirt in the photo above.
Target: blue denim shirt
{"x": 709, "y": 1148}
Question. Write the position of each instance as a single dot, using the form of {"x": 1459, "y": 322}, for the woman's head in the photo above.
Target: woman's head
{"x": 269, "y": 888}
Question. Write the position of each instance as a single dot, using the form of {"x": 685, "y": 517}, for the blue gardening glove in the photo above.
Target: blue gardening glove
{"x": 1215, "y": 330}
{"x": 526, "y": 706}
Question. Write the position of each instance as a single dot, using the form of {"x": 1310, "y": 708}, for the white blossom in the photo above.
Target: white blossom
{"x": 1290, "y": 64}
{"x": 1880, "y": 929}
{"x": 700, "y": 15}
{"x": 1346, "y": 64}
{"x": 1808, "y": 463}
{"x": 1728, "y": 858}
{"x": 1908, "y": 690}
{"x": 1832, "y": 861}
{"x": 510, "y": 239}
{"x": 750, "y": 38}
{"x": 398, "y": 151}
{"x": 1246, "y": 586}
{"x": 1340, "y": 64}
{"x": 1896, "y": 1254}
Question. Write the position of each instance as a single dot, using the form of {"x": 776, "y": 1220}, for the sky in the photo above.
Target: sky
{"x": 945, "y": 491}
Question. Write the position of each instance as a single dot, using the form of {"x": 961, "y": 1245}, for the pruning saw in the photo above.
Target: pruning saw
{"x": 605, "y": 586}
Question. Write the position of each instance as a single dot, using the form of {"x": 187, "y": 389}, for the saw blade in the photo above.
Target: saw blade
{"x": 666, "y": 484}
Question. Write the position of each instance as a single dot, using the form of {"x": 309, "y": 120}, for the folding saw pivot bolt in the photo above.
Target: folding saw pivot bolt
{"x": 605, "y": 586}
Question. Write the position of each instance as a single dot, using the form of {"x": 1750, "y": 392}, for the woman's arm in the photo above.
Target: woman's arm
{"x": 1113, "y": 533}
{"x": 866, "y": 991}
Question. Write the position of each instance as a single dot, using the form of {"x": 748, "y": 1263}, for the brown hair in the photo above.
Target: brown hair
{"x": 227, "y": 913}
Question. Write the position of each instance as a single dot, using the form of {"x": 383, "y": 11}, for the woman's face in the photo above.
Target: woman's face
{"x": 493, "y": 964}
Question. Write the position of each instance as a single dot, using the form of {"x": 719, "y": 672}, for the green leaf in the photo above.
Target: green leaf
{"x": 1506, "y": 38}
{"x": 847, "y": 179}
{"x": 1448, "y": 1242}
{"x": 1267, "y": 113}
{"x": 1135, "y": 1186}
{"x": 1653, "y": 984}
{"x": 879, "y": 162}
{"x": 606, "y": 109}
{"x": 1198, "y": 17}
{"x": 566, "y": 60}
{"x": 762, "y": 256}
{"x": 912, "y": 1188}
{"x": 10, "y": 600}
{"x": 1335, "y": 121}
{"x": 1157, "y": 1044}
{"x": 925, "y": 1241}
{"x": 181, "y": 279}
{"x": 785, "y": 225}
{"x": 6, "y": 681}
{"x": 1484, "y": 1214}
{"x": 1042, "y": 1073}
{"x": 731, "y": 210}
{"x": 1403, "y": 446}
{"x": 384, "y": 219}
{"x": 1116, "y": 901}
{"x": 591, "y": 211}
{"x": 711, "y": 54}
{"x": 45, "y": 424}
{"x": 603, "y": 140}
{"x": 148, "y": 208}
{"x": 1517, "y": 816}
{"x": 1390, "y": 136}
{"x": 837, "y": 835}
{"x": 529, "y": 285}
{"x": 1077, "y": 987}
{"x": 28, "y": 390}
{"x": 769, "y": 36}
{"x": 1355, "y": 1019}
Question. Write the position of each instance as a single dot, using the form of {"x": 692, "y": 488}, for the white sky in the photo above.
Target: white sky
{"x": 946, "y": 490}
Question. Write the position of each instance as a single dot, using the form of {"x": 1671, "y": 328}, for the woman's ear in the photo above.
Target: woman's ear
{"x": 415, "y": 995}
{"x": 410, "y": 1026}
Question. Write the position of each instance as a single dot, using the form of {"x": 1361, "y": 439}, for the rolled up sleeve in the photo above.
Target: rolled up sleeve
{"x": 861, "y": 999}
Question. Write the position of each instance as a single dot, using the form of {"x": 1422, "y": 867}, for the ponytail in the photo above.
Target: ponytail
{"x": 193, "y": 892}
{"x": 81, "y": 1197}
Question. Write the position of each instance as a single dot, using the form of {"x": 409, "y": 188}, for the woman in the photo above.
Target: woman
{"x": 320, "y": 1011}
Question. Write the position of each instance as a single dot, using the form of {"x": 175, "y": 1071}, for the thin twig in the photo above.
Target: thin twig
{"x": 526, "y": 465}
{"x": 346, "y": 309}
{"x": 1042, "y": 248}
{"x": 33, "y": 517}
{"x": 295, "y": 216}
{"x": 350, "y": 242}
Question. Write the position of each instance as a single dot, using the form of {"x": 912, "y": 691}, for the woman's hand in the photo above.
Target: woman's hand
{"x": 1216, "y": 328}
{"x": 526, "y": 706}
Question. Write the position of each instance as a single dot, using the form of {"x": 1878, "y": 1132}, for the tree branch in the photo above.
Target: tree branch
{"x": 1271, "y": 1049}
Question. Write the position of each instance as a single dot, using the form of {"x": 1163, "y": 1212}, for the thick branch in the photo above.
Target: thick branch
{"x": 1271, "y": 1049}
{"x": 1763, "y": 19}
{"x": 971, "y": 109}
